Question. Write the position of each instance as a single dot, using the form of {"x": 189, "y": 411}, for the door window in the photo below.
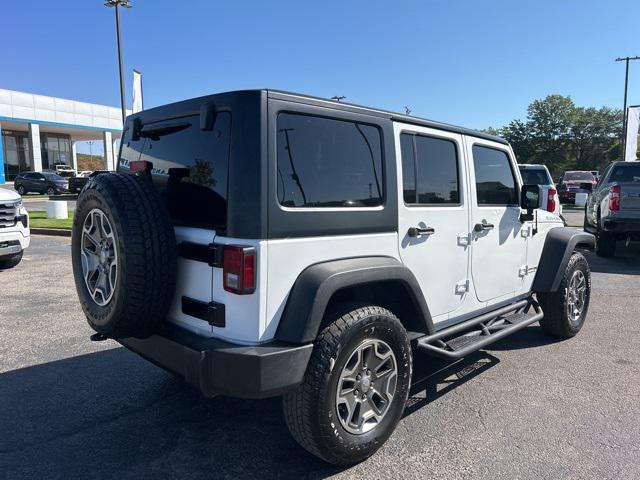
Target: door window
{"x": 495, "y": 182}
{"x": 429, "y": 170}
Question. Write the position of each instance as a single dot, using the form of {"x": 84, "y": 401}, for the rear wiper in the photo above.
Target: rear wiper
{"x": 155, "y": 131}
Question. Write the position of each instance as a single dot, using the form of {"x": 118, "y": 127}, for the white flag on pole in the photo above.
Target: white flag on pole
{"x": 137, "y": 92}
{"x": 631, "y": 142}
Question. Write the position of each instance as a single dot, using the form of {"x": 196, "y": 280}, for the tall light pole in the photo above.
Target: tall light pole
{"x": 90, "y": 142}
{"x": 116, "y": 4}
{"x": 624, "y": 110}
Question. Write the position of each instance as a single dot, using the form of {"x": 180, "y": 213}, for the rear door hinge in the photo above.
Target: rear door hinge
{"x": 463, "y": 240}
{"x": 522, "y": 271}
{"x": 462, "y": 287}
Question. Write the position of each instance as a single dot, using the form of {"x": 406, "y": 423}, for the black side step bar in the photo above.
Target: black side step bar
{"x": 464, "y": 338}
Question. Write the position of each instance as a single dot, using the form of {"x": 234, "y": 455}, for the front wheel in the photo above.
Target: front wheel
{"x": 10, "y": 262}
{"x": 355, "y": 388}
{"x": 566, "y": 309}
{"x": 51, "y": 191}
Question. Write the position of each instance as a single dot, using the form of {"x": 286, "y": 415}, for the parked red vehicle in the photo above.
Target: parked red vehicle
{"x": 573, "y": 182}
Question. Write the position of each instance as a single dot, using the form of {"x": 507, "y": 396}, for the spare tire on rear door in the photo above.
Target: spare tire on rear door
{"x": 124, "y": 255}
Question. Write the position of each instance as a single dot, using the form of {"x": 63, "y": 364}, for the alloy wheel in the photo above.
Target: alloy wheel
{"x": 366, "y": 386}
{"x": 99, "y": 257}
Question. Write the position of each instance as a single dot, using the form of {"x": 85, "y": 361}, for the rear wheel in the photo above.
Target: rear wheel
{"x": 10, "y": 262}
{"x": 566, "y": 309}
{"x": 355, "y": 387}
{"x": 21, "y": 190}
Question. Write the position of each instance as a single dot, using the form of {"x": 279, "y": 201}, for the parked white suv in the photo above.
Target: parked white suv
{"x": 262, "y": 243}
{"x": 538, "y": 174}
{"x": 14, "y": 228}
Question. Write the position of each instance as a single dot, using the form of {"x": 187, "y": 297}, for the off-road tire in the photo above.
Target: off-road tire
{"x": 556, "y": 320}
{"x": 147, "y": 255}
{"x": 310, "y": 410}
{"x": 10, "y": 262}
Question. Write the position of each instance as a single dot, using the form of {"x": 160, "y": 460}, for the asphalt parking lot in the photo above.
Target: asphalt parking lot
{"x": 528, "y": 407}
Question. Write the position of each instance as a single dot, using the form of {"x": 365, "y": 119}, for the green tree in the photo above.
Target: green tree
{"x": 563, "y": 136}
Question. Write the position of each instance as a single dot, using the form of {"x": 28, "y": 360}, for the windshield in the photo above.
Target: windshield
{"x": 582, "y": 176}
{"x": 535, "y": 176}
{"x": 626, "y": 173}
{"x": 53, "y": 177}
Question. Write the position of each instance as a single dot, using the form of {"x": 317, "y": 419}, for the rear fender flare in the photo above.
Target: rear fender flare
{"x": 305, "y": 308}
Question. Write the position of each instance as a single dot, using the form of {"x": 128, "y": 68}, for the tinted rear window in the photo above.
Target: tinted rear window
{"x": 573, "y": 176}
{"x": 190, "y": 167}
{"x": 625, "y": 173}
{"x": 324, "y": 162}
{"x": 535, "y": 176}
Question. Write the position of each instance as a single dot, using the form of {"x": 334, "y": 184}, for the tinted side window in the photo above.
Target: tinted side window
{"x": 326, "y": 162}
{"x": 435, "y": 177}
{"x": 190, "y": 167}
{"x": 408, "y": 168}
{"x": 495, "y": 183}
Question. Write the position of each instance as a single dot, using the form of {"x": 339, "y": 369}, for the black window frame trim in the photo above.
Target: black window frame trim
{"x": 458, "y": 149}
{"x": 299, "y": 222}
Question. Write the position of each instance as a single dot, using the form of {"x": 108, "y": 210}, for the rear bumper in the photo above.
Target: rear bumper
{"x": 622, "y": 225}
{"x": 218, "y": 367}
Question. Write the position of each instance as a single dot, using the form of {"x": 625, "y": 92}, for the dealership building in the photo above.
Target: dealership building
{"x": 40, "y": 132}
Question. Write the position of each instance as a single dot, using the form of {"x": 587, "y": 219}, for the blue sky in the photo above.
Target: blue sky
{"x": 473, "y": 63}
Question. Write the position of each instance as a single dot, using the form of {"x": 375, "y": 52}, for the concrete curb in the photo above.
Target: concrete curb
{"x": 58, "y": 232}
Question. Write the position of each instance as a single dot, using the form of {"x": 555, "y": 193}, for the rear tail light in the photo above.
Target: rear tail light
{"x": 614, "y": 197}
{"x": 551, "y": 200}
{"x": 239, "y": 269}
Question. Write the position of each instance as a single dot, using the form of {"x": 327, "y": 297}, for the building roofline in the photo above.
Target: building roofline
{"x": 58, "y": 124}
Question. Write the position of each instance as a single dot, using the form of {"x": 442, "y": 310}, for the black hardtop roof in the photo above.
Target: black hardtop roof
{"x": 157, "y": 113}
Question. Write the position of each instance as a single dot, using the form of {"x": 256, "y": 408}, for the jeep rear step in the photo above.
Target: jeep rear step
{"x": 463, "y": 339}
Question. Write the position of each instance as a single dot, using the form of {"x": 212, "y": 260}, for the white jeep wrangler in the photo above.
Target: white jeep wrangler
{"x": 261, "y": 243}
{"x": 14, "y": 229}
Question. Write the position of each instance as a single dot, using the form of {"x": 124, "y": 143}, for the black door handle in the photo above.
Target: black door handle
{"x": 417, "y": 231}
{"x": 483, "y": 226}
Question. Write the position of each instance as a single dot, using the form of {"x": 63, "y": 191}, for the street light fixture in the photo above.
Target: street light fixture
{"x": 116, "y": 4}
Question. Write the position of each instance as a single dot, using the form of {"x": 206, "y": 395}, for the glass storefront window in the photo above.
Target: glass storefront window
{"x": 56, "y": 150}
{"x": 16, "y": 152}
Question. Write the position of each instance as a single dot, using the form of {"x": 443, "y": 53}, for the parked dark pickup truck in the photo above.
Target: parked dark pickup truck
{"x": 613, "y": 209}
{"x": 76, "y": 184}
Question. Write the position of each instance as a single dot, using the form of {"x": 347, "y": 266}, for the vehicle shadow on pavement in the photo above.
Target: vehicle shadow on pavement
{"x": 625, "y": 262}
{"x": 110, "y": 415}
{"x": 433, "y": 378}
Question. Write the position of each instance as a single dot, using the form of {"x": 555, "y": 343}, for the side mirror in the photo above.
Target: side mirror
{"x": 530, "y": 198}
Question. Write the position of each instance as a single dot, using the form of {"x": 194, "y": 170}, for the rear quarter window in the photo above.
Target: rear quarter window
{"x": 324, "y": 162}
{"x": 190, "y": 167}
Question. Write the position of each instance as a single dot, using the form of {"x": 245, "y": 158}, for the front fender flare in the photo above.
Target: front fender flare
{"x": 558, "y": 247}
{"x": 312, "y": 291}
